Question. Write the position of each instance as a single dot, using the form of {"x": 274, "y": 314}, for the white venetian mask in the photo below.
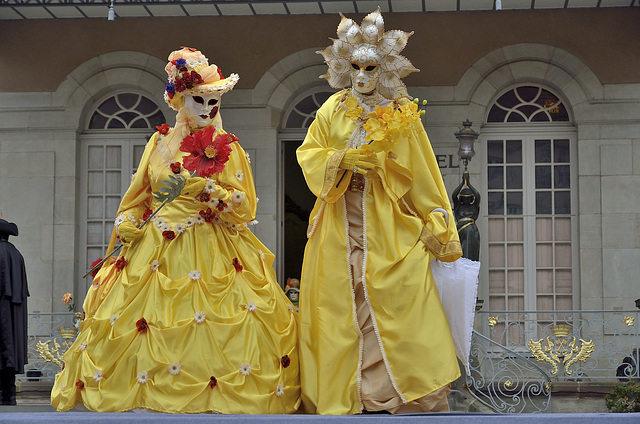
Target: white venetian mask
{"x": 203, "y": 106}
{"x": 364, "y": 69}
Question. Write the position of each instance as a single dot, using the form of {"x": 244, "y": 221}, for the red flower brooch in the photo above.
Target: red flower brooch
{"x": 213, "y": 382}
{"x": 236, "y": 264}
{"x": 80, "y": 384}
{"x": 285, "y": 361}
{"x": 207, "y": 155}
{"x": 163, "y": 129}
{"x": 121, "y": 263}
{"x": 142, "y": 325}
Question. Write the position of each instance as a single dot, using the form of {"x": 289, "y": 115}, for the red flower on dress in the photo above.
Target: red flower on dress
{"x": 285, "y": 361}
{"x": 94, "y": 263}
{"x": 147, "y": 213}
{"x": 236, "y": 264}
{"x": 169, "y": 235}
{"x": 163, "y": 129}
{"x": 121, "y": 263}
{"x": 221, "y": 205}
{"x": 204, "y": 197}
{"x": 208, "y": 215}
{"x": 142, "y": 325}
{"x": 176, "y": 167}
{"x": 79, "y": 384}
{"x": 63, "y": 366}
{"x": 207, "y": 155}
{"x": 213, "y": 382}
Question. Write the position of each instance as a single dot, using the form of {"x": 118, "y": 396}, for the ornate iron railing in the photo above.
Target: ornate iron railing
{"x": 49, "y": 336}
{"x": 505, "y": 380}
{"x": 585, "y": 346}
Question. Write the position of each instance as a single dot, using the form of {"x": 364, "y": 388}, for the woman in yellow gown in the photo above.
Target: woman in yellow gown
{"x": 373, "y": 333}
{"x": 189, "y": 317}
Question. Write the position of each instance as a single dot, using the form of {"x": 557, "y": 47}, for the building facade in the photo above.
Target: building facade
{"x": 554, "y": 94}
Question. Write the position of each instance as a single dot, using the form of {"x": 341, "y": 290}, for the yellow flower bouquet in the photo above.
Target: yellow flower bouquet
{"x": 391, "y": 124}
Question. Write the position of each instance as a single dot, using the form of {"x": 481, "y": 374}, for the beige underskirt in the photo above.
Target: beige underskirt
{"x": 377, "y": 392}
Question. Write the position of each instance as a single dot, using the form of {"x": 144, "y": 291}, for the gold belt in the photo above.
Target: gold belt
{"x": 356, "y": 183}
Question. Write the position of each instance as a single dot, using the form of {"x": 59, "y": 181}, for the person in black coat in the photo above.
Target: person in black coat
{"x": 13, "y": 313}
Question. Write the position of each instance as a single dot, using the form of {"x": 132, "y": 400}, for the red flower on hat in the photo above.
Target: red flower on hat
{"x": 142, "y": 325}
{"x": 121, "y": 263}
{"x": 207, "y": 155}
{"x": 237, "y": 265}
{"x": 220, "y": 73}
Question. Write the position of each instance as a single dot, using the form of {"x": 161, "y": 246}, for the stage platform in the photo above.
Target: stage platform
{"x": 450, "y": 418}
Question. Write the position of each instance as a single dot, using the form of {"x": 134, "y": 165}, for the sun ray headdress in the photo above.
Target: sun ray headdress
{"x": 370, "y": 33}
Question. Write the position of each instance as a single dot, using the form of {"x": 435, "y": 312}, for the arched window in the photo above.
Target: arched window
{"x": 111, "y": 148}
{"x": 531, "y": 203}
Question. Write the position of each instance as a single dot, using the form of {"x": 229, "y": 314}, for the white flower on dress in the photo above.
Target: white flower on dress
{"x": 113, "y": 318}
{"x": 262, "y": 255}
{"x": 199, "y": 219}
{"x": 228, "y": 207}
{"x": 143, "y": 377}
{"x": 160, "y": 222}
{"x": 279, "y": 390}
{"x": 248, "y": 157}
{"x": 290, "y": 306}
{"x": 174, "y": 368}
{"x": 237, "y": 196}
{"x": 180, "y": 228}
{"x": 257, "y": 199}
{"x": 83, "y": 346}
{"x": 165, "y": 227}
{"x": 199, "y": 317}
{"x": 245, "y": 369}
{"x": 239, "y": 175}
{"x": 190, "y": 221}
{"x": 195, "y": 274}
{"x": 97, "y": 376}
{"x": 254, "y": 222}
{"x": 119, "y": 220}
{"x": 251, "y": 306}
{"x": 155, "y": 265}
{"x": 210, "y": 186}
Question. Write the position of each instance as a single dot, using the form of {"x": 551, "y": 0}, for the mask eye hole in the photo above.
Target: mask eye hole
{"x": 355, "y": 66}
{"x": 370, "y": 68}
{"x": 213, "y": 102}
{"x": 198, "y": 100}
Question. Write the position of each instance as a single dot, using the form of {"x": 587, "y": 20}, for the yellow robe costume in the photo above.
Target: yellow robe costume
{"x": 240, "y": 358}
{"x": 402, "y": 234}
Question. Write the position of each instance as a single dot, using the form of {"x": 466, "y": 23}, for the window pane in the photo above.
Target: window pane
{"x": 114, "y": 157}
{"x": 516, "y": 303}
{"x": 543, "y": 151}
{"x": 514, "y": 151}
{"x": 564, "y": 283}
{"x": 544, "y": 281}
{"x": 514, "y": 177}
{"x": 494, "y": 152}
{"x": 545, "y": 303}
{"x": 561, "y": 151}
{"x": 563, "y": 202}
{"x": 113, "y": 182}
{"x": 93, "y": 253}
{"x": 516, "y": 282}
{"x": 94, "y": 232}
{"x": 495, "y": 203}
{"x": 514, "y": 203}
{"x": 543, "y": 203}
{"x": 496, "y": 255}
{"x": 563, "y": 255}
{"x": 528, "y": 93}
{"x": 496, "y": 230}
{"x": 561, "y": 176}
{"x": 495, "y": 175}
{"x": 564, "y": 303}
{"x": 544, "y": 229}
{"x": 111, "y": 207}
{"x": 497, "y": 303}
{"x": 563, "y": 229}
{"x": 95, "y": 183}
{"x": 108, "y": 229}
{"x": 496, "y": 281}
{"x": 544, "y": 255}
{"x": 515, "y": 255}
{"x": 515, "y": 231}
{"x": 543, "y": 176}
{"x": 96, "y": 160}
{"x": 94, "y": 207}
